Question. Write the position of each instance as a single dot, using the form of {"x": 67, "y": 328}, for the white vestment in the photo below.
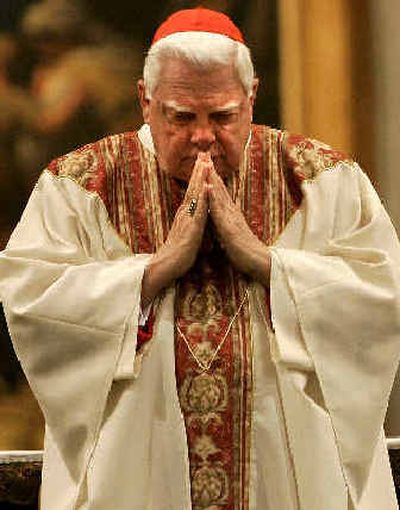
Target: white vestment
{"x": 115, "y": 436}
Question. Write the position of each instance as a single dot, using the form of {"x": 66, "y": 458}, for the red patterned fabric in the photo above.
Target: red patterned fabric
{"x": 145, "y": 332}
{"x": 198, "y": 20}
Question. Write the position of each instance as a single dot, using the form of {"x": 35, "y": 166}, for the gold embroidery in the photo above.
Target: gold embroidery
{"x": 203, "y": 354}
{"x": 311, "y": 157}
{"x": 204, "y": 395}
{"x": 79, "y": 166}
{"x": 210, "y": 487}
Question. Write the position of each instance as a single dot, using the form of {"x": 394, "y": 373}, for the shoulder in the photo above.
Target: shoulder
{"x": 88, "y": 163}
{"x": 307, "y": 157}
{"x": 304, "y": 158}
{"x": 297, "y": 160}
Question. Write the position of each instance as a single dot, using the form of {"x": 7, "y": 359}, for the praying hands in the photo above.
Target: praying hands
{"x": 206, "y": 195}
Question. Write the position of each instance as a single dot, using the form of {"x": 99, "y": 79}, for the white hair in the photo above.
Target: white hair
{"x": 202, "y": 49}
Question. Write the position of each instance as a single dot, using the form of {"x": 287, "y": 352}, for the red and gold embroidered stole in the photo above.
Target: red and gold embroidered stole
{"x": 141, "y": 202}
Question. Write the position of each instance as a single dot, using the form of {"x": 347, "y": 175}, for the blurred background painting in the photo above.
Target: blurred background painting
{"x": 68, "y": 72}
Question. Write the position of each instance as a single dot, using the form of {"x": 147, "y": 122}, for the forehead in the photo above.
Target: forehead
{"x": 184, "y": 83}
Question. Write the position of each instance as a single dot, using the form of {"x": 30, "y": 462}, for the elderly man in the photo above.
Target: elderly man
{"x": 207, "y": 310}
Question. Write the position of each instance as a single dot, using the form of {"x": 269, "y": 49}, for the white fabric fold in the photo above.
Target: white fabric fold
{"x": 335, "y": 292}
{"x": 71, "y": 294}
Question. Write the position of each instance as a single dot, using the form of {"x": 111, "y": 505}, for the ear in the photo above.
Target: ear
{"x": 144, "y": 101}
{"x": 253, "y": 96}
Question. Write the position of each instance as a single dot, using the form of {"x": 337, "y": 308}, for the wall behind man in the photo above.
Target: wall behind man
{"x": 385, "y": 48}
{"x": 326, "y": 74}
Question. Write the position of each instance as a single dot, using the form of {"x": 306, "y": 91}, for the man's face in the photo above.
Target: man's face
{"x": 193, "y": 110}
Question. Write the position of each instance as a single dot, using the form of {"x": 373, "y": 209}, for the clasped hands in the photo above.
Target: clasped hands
{"x": 177, "y": 255}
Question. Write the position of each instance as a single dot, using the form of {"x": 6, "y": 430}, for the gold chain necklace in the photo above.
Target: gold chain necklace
{"x": 206, "y": 366}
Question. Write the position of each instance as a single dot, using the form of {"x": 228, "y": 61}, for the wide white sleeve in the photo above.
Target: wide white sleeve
{"x": 71, "y": 294}
{"x": 335, "y": 291}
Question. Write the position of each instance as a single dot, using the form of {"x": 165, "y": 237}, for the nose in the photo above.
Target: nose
{"x": 203, "y": 136}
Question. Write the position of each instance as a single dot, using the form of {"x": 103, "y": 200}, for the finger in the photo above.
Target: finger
{"x": 202, "y": 209}
{"x": 219, "y": 186}
{"x": 219, "y": 197}
{"x": 195, "y": 202}
{"x": 199, "y": 174}
{"x": 197, "y": 208}
{"x": 198, "y": 170}
{"x": 194, "y": 206}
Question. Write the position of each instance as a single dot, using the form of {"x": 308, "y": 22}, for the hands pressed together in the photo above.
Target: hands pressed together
{"x": 246, "y": 252}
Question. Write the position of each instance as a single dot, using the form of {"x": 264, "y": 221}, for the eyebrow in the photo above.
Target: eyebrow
{"x": 232, "y": 105}
{"x": 173, "y": 105}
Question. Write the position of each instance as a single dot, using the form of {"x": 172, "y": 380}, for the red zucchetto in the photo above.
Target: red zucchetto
{"x": 198, "y": 19}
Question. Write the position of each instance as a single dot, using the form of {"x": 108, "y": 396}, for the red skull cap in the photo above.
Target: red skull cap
{"x": 198, "y": 19}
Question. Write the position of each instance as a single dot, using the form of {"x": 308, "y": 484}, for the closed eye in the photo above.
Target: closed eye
{"x": 183, "y": 117}
{"x": 178, "y": 117}
{"x": 224, "y": 117}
